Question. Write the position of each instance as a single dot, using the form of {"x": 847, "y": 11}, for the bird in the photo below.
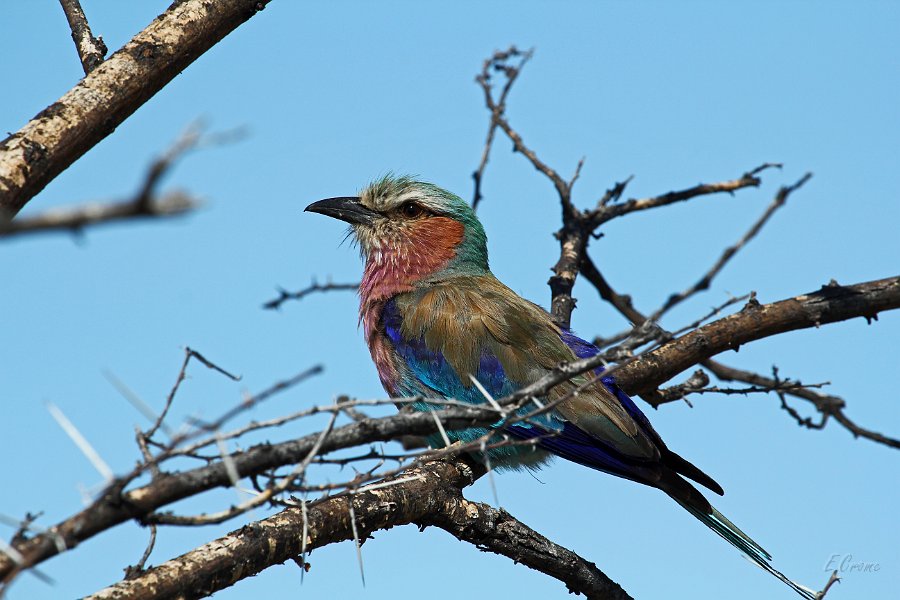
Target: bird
{"x": 440, "y": 325}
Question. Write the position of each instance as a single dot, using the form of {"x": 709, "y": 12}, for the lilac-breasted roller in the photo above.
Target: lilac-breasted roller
{"x": 437, "y": 321}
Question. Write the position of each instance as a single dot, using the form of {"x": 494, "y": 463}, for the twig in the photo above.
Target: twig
{"x": 862, "y": 432}
{"x": 693, "y": 384}
{"x": 714, "y": 312}
{"x": 91, "y": 50}
{"x": 136, "y": 570}
{"x": 607, "y": 211}
{"x": 182, "y": 373}
{"x": 284, "y": 295}
{"x": 499, "y": 62}
{"x": 251, "y": 401}
{"x": 270, "y": 492}
{"x": 833, "y": 579}
{"x": 703, "y": 283}
{"x": 621, "y": 302}
{"x": 824, "y": 403}
{"x": 572, "y": 237}
{"x": 698, "y": 382}
{"x": 211, "y": 365}
{"x": 614, "y": 193}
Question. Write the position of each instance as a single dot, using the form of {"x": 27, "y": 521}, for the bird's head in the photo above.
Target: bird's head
{"x": 410, "y": 231}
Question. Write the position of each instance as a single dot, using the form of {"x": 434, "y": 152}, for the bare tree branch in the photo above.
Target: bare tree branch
{"x": 133, "y": 571}
{"x": 145, "y": 204}
{"x": 498, "y": 118}
{"x": 75, "y": 219}
{"x": 572, "y": 238}
{"x": 497, "y": 62}
{"x": 91, "y": 50}
{"x": 109, "y": 94}
{"x": 314, "y": 287}
{"x": 621, "y": 302}
{"x": 578, "y": 226}
{"x": 703, "y": 283}
{"x": 826, "y": 404}
{"x": 495, "y": 530}
{"x": 428, "y": 495}
{"x": 830, "y": 304}
{"x": 831, "y": 581}
{"x": 606, "y": 211}
{"x": 115, "y": 506}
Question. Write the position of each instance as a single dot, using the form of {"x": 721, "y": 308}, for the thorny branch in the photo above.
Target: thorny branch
{"x": 826, "y": 404}
{"x": 119, "y": 503}
{"x": 755, "y": 321}
{"x": 427, "y": 495}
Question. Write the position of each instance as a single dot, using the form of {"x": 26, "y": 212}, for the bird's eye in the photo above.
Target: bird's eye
{"x": 411, "y": 210}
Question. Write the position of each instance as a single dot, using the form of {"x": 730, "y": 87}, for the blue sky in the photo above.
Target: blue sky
{"x": 334, "y": 94}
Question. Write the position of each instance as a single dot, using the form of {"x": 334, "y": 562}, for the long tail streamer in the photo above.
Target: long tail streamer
{"x": 740, "y": 540}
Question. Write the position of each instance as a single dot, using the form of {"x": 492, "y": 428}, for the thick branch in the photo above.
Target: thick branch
{"x": 91, "y": 50}
{"x": 64, "y": 131}
{"x": 830, "y": 304}
{"x": 417, "y": 495}
{"x": 495, "y": 530}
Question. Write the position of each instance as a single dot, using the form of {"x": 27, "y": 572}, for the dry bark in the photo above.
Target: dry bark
{"x": 61, "y": 133}
{"x": 427, "y": 495}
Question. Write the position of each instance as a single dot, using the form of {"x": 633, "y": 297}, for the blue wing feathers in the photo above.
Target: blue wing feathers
{"x": 561, "y": 438}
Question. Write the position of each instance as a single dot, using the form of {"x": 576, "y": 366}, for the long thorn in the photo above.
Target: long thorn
{"x": 81, "y": 442}
{"x": 359, "y": 559}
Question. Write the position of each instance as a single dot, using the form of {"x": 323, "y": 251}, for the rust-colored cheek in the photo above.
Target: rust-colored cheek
{"x": 436, "y": 239}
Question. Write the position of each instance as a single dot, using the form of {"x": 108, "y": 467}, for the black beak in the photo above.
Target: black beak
{"x": 345, "y": 208}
